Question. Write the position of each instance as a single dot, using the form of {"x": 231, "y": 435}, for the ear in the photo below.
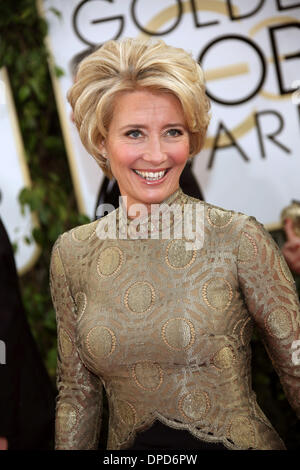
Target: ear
{"x": 102, "y": 148}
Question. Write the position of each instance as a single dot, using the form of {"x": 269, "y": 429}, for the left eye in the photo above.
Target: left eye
{"x": 174, "y": 132}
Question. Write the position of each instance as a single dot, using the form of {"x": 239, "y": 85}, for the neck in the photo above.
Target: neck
{"x": 137, "y": 210}
{"x": 154, "y": 219}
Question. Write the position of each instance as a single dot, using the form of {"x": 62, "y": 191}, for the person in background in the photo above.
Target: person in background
{"x": 291, "y": 248}
{"x": 27, "y": 397}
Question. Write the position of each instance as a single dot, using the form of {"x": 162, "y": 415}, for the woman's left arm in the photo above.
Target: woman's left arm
{"x": 271, "y": 297}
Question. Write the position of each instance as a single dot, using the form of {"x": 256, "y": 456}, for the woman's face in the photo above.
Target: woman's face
{"x": 147, "y": 145}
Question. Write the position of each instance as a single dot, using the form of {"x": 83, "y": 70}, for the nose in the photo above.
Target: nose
{"x": 154, "y": 152}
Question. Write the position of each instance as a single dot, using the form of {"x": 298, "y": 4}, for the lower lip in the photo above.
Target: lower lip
{"x": 161, "y": 180}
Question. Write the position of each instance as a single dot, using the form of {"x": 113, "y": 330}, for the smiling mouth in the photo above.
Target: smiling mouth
{"x": 152, "y": 175}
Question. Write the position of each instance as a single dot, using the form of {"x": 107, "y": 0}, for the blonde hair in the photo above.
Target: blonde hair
{"x": 128, "y": 65}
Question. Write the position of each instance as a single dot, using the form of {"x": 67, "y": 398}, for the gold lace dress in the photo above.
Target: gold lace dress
{"x": 166, "y": 329}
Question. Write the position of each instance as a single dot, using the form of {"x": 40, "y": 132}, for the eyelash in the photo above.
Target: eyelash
{"x": 132, "y": 131}
{"x": 178, "y": 131}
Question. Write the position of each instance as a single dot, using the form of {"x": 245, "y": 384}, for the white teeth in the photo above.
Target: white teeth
{"x": 150, "y": 176}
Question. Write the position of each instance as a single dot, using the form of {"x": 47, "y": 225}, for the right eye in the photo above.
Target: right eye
{"x": 134, "y": 133}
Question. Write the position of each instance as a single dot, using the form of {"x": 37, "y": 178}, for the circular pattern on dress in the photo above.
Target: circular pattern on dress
{"x": 83, "y": 232}
{"x": 100, "y": 342}
{"x": 279, "y": 323}
{"x": 218, "y": 217}
{"x": 126, "y": 412}
{"x": 109, "y": 261}
{"x": 56, "y": 263}
{"x": 224, "y": 358}
{"x": 81, "y": 303}
{"x": 65, "y": 343}
{"x": 139, "y": 297}
{"x": 241, "y": 432}
{"x": 217, "y": 293}
{"x": 284, "y": 269}
{"x": 248, "y": 248}
{"x": 147, "y": 375}
{"x": 178, "y": 333}
{"x": 246, "y": 331}
{"x": 194, "y": 405}
{"x": 177, "y": 256}
{"x": 66, "y": 417}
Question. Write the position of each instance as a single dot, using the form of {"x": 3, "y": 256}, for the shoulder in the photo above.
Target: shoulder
{"x": 66, "y": 245}
{"x": 218, "y": 217}
{"x": 83, "y": 233}
{"x": 78, "y": 234}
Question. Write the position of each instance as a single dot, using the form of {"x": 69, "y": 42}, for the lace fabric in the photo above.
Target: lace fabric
{"x": 166, "y": 331}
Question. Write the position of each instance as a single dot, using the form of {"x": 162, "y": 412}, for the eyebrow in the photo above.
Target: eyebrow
{"x": 142, "y": 126}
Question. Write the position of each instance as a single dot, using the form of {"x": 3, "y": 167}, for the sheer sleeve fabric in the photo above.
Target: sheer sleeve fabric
{"x": 79, "y": 401}
{"x": 272, "y": 300}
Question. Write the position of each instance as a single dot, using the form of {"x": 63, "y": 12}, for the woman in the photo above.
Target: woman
{"x": 162, "y": 324}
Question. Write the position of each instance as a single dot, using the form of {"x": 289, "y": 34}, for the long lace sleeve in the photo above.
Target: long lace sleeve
{"x": 79, "y": 401}
{"x": 271, "y": 297}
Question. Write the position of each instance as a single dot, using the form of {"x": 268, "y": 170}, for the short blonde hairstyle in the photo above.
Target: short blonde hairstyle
{"x": 134, "y": 64}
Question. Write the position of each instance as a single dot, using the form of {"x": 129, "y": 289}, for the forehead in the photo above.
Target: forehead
{"x": 144, "y": 104}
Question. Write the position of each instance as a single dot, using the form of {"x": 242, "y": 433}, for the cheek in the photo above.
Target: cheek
{"x": 122, "y": 156}
{"x": 182, "y": 153}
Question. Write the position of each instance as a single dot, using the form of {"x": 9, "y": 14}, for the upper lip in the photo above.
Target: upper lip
{"x": 151, "y": 170}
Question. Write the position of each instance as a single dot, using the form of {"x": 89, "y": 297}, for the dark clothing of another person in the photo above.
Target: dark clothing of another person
{"x": 162, "y": 437}
{"x": 27, "y": 398}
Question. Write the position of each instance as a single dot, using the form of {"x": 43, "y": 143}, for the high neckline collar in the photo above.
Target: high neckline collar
{"x": 143, "y": 226}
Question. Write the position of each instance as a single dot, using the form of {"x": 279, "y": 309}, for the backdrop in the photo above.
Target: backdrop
{"x": 251, "y": 57}
{"x": 14, "y": 176}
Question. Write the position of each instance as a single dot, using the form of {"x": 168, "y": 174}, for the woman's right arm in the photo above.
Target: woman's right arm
{"x": 79, "y": 401}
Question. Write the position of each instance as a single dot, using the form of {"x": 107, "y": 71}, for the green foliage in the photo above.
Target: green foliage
{"x": 51, "y": 196}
